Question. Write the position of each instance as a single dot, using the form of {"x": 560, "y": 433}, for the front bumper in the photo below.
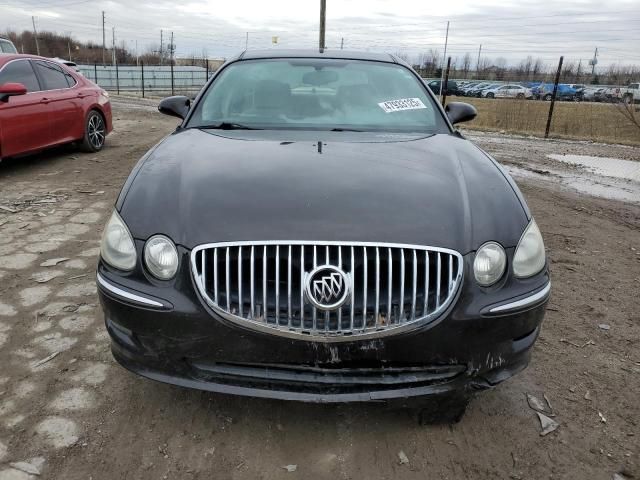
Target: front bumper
{"x": 177, "y": 339}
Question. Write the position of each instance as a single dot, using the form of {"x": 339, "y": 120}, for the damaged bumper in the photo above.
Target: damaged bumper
{"x": 169, "y": 335}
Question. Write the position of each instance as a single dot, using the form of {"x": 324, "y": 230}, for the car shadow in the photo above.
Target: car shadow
{"x": 47, "y": 158}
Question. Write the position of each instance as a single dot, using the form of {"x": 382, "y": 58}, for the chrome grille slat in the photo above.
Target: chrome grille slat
{"x": 376, "y": 311}
{"x": 426, "y": 283}
{"x": 315, "y": 312}
{"x": 353, "y": 300}
{"x": 438, "y": 281}
{"x": 215, "y": 276}
{"x": 364, "y": 288}
{"x": 240, "y": 282}
{"x": 301, "y": 286}
{"x": 289, "y": 288}
{"x": 401, "y": 316}
{"x": 414, "y": 284}
{"x": 252, "y": 266}
{"x": 393, "y": 287}
{"x": 389, "y": 287}
{"x": 340, "y": 309}
{"x": 228, "y": 281}
{"x": 277, "y": 284}
{"x": 264, "y": 284}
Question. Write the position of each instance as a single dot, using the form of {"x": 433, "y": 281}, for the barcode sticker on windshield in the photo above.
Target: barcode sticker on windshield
{"x": 402, "y": 104}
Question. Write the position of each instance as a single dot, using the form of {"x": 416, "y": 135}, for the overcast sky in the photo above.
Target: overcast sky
{"x": 505, "y": 28}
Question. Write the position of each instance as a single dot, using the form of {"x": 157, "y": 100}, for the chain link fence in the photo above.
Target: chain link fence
{"x": 148, "y": 80}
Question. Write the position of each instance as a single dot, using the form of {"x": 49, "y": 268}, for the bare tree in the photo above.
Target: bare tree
{"x": 466, "y": 64}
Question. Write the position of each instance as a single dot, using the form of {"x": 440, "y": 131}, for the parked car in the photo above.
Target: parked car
{"x": 68, "y": 63}
{"x": 612, "y": 94}
{"x": 452, "y": 87}
{"x": 464, "y": 89}
{"x": 509, "y": 91}
{"x": 7, "y": 46}
{"x": 242, "y": 258}
{"x": 44, "y": 104}
{"x": 592, "y": 94}
{"x": 476, "y": 91}
{"x": 564, "y": 92}
{"x": 484, "y": 91}
{"x": 631, "y": 94}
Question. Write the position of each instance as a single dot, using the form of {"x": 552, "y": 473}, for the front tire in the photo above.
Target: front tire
{"x": 520, "y": 96}
{"x": 547, "y": 97}
{"x": 490, "y": 95}
{"x": 95, "y": 132}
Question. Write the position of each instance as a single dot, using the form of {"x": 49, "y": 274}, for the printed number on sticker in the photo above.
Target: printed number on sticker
{"x": 402, "y": 104}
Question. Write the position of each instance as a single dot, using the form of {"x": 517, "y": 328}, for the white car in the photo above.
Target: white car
{"x": 509, "y": 91}
{"x": 6, "y": 46}
{"x": 632, "y": 93}
{"x": 68, "y": 63}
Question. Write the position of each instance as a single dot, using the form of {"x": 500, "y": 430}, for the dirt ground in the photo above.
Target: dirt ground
{"x": 78, "y": 415}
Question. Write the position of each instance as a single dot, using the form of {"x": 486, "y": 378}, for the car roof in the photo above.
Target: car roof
{"x": 5, "y": 57}
{"x": 304, "y": 53}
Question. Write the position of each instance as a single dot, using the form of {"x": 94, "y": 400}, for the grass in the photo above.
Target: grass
{"x": 600, "y": 122}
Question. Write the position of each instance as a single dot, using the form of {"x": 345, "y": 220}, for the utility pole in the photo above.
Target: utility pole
{"x": 443, "y": 90}
{"x": 104, "y": 40}
{"x": 137, "y": 56}
{"x": 172, "y": 48}
{"x": 446, "y": 41}
{"x": 323, "y": 18}
{"x": 594, "y": 62}
{"x": 342, "y": 43}
{"x": 246, "y": 42}
{"x": 35, "y": 34}
{"x": 113, "y": 40}
{"x": 478, "y": 64}
{"x": 160, "y": 46}
{"x": 553, "y": 98}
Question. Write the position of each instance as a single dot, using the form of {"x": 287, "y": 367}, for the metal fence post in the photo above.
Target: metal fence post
{"x": 95, "y": 73}
{"x": 443, "y": 86}
{"x": 172, "y": 84}
{"x": 207, "y": 66}
{"x": 553, "y": 98}
{"x": 142, "y": 72}
{"x": 117, "y": 80}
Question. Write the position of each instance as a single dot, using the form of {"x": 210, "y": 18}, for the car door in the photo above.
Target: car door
{"x": 24, "y": 122}
{"x": 64, "y": 103}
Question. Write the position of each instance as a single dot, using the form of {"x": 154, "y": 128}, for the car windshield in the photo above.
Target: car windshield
{"x": 318, "y": 94}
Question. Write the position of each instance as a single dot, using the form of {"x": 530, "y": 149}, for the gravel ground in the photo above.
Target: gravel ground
{"x": 67, "y": 411}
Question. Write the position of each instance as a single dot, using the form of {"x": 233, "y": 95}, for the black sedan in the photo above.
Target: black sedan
{"x": 317, "y": 230}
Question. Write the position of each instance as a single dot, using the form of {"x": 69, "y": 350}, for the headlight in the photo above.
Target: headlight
{"x": 117, "y": 248}
{"x": 161, "y": 257}
{"x": 530, "y": 257}
{"x": 489, "y": 263}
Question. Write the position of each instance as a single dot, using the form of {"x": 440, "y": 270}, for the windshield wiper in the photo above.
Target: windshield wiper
{"x": 340, "y": 129}
{"x": 229, "y": 126}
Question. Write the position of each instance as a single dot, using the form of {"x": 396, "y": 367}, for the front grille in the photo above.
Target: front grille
{"x": 261, "y": 285}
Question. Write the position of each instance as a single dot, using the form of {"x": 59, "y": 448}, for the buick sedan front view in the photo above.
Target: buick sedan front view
{"x": 316, "y": 229}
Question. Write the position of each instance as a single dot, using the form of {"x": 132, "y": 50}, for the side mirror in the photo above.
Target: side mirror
{"x": 459, "y": 112}
{"x": 177, "y": 106}
{"x": 11, "y": 90}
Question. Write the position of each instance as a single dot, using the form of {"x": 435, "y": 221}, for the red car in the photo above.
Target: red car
{"x": 44, "y": 104}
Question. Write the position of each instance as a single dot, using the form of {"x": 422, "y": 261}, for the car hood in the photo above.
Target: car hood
{"x": 203, "y": 186}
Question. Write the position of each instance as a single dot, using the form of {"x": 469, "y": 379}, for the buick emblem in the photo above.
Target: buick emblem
{"x": 327, "y": 287}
